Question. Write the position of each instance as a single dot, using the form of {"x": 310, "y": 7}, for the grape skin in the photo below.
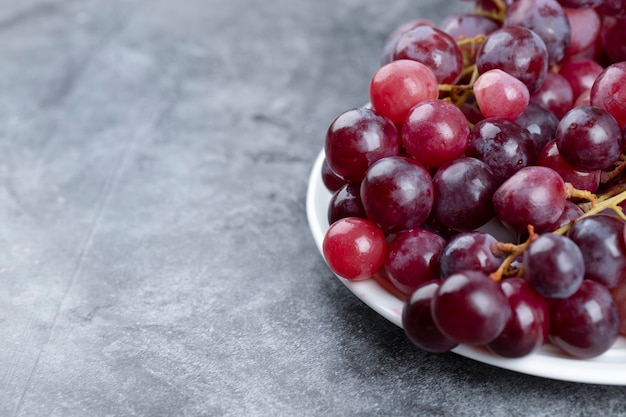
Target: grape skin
{"x": 470, "y": 308}
{"x": 413, "y": 259}
{"x": 554, "y": 266}
{"x": 464, "y": 188}
{"x": 397, "y": 194}
{"x": 532, "y": 196}
{"x": 586, "y": 324}
{"x": 527, "y": 328}
{"x": 418, "y": 323}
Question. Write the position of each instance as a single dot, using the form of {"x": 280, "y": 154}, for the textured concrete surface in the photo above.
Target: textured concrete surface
{"x": 155, "y": 258}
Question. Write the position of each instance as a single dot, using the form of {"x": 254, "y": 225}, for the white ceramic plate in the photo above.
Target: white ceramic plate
{"x": 549, "y": 362}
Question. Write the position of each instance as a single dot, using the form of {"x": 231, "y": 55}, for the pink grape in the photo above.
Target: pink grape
{"x": 499, "y": 94}
{"x": 398, "y": 86}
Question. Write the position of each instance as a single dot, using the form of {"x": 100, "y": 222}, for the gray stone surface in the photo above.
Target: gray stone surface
{"x": 155, "y": 258}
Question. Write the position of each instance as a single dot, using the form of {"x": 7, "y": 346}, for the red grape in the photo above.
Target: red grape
{"x": 413, "y": 259}
{"x": 400, "y": 85}
{"x": 435, "y": 131}
{"x": 608, "y": 91}
{"x": 354, "y": 248}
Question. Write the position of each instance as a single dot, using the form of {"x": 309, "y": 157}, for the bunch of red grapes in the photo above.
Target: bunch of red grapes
{"x": 511, "y": 114}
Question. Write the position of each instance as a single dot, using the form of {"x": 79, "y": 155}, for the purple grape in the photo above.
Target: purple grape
{"x": 532, "y": 196}
{"x": 463, "y": 192}
{"x": 469, "y": 251}
{"x": 547, "y": 19}
{"x": 601, "y": 241}
{"x": 554, "y": 266}
{"x": 397, "y": 194}
{"x": 570, "y": 213}
{"x": 356, "y": 139}
{"x": 586, "y": 324}
{"x": 418, "y": 323}
{"x": 503, "y": 145}
{"x": 589, "y": 138}
{"x": 413, "y": 259}
{"x": 470, "y": 308}
{"x": 331, "y": 181}
{"x": 527, "y": 328}
{"x": 433, "y": 48}
{"x": 517, "y": 51}
{"x": 346, "y": 202}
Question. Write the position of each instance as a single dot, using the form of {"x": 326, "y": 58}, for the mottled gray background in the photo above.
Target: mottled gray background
{"x": 155, "y": 258}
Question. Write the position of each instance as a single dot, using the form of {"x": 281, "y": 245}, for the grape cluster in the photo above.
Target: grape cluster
{"x": 512, "y": 113}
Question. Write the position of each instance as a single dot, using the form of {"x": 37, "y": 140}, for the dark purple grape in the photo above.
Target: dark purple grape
{"x": 527, "y": 329}
{"x": 540, "y": 122}
{"x": 580, "y": 179}
{"x": 463, "y": 192}
{"x": 397, "y": 194}
{"x": 517, "y": 51}
{"x": 589, "y": 138}
{"x": 503, "y": 145}
{"x": 433, "y": 48}
{"x": 469, "y": 251}
{"x": 418, "y": 324}
{"x": 554, "y": 266}
{"x": 346, "y": 202}
{"x": 532, "y": 196}
{"x": 547, "y": 19}
{"x": 356, "y": 139}
{"x": 586, "y": 324}
{"x": 331, "y": 181}
{"x": 470, "y": 308}
{"x": 601, "y": 241}
{"x": 413, "y": 259}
